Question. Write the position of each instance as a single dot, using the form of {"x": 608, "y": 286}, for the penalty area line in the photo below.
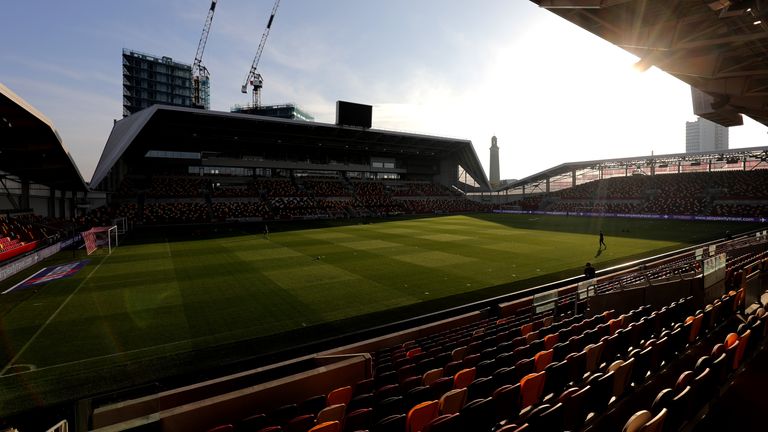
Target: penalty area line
{"x": 22, "y": 282}
{"x": 48, "y": 321}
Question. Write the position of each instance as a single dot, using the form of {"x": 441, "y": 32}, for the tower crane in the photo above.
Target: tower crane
{"x": 254, "y": 78}
{"x": 200, "y": 72}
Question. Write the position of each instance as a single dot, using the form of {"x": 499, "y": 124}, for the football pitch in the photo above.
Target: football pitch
{"x": 167, "y": 304}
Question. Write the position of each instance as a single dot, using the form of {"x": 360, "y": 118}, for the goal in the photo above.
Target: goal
{"x": 100, "y": 238}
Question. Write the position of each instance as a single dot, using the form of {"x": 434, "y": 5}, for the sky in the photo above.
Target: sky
{"x": 550, "y": 91}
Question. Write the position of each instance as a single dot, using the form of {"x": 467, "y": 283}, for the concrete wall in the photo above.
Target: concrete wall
{"x": 657, "y": 294}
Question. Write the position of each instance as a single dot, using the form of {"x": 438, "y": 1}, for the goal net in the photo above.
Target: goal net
{"x": 100, "y": 238}
{"x": 122, "y": 225}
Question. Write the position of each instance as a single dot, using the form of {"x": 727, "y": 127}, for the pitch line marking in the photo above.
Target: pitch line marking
{"x": 103, "y": 357}
{"x": 117, "y": 354}
{"x": 22, "y": 282}
{"x": 40, "y": 330}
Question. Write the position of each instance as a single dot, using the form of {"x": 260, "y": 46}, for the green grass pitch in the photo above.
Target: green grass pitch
{"x": 165, "y": 307}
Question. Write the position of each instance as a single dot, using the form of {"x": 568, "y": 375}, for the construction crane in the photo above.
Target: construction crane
{"x": 200, "y": 72}
{"x": 254, "y": 78}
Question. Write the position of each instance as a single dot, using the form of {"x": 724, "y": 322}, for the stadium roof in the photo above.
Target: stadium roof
{"x": 755, "y": 153}
{"x": 169, "y": 128}
{"x": 31, "y": 148}
{"x": 719, "y": 47}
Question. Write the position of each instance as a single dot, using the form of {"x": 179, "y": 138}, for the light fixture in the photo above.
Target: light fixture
{"x": 642, "y": 65}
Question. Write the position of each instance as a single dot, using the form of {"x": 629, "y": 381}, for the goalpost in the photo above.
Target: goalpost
{"x": 100, "y": 238}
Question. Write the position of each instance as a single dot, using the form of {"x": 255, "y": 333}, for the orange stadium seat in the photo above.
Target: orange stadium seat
{"x": 531, "y": 388}
{"x": 341, "y": 395}
{"x": 420, "y": 415}
{"x": 542, "y": 359}
{"x": 463, "y": 378}
{"x": 330, "y": 426}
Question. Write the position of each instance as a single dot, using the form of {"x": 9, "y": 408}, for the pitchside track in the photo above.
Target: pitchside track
{"x": 164, "y": 308}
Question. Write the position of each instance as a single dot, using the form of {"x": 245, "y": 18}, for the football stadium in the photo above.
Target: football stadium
{"x": 256, "y": 271}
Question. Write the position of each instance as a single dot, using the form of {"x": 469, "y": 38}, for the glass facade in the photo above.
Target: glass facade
{"x": 383, "y": 163}
{"x": 205, "y": 92}
{"x": 172, "y": 154}
{"x": 150, "y": 80}
{"x": 225, "y": 171}
{"x": 286, "y": 111}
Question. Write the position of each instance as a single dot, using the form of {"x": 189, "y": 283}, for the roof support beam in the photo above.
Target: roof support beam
{"x": 724, "y": 86}
{"x": 580, "y": 4}
{"x": 758, "y": 87}
{"x": 734, "y": 39}
{"x": 680, "y": 63}
{"x": 665, "y": 36}
{"x": 585, "y": 15}
{"x": 742, "y": 73}
{"x": 667, "y": 44}
{"x": 737, "y": 65}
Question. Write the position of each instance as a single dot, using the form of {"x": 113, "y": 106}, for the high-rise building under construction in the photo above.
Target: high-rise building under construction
{"x": 150, "y": 80}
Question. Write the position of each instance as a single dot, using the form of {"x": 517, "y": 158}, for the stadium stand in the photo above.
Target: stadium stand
{"x": 719, "y": 193}
{"x": 573, "y": 358}
{"x": 583, "y": 363}
{"x": 25, "y": 233}
{"x": 179, "y": 199}
{"x": 725, "y": 194}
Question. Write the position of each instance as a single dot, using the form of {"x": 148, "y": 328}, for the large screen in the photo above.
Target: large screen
{"x": 353, "y": 114}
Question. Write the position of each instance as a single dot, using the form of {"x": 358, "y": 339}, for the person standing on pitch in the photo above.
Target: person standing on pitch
{"x": 602, "y": 240}
{"x": 266, "y": 232}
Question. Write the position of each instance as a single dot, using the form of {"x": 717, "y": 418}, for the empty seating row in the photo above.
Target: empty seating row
{"x": 621, "y": 353}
